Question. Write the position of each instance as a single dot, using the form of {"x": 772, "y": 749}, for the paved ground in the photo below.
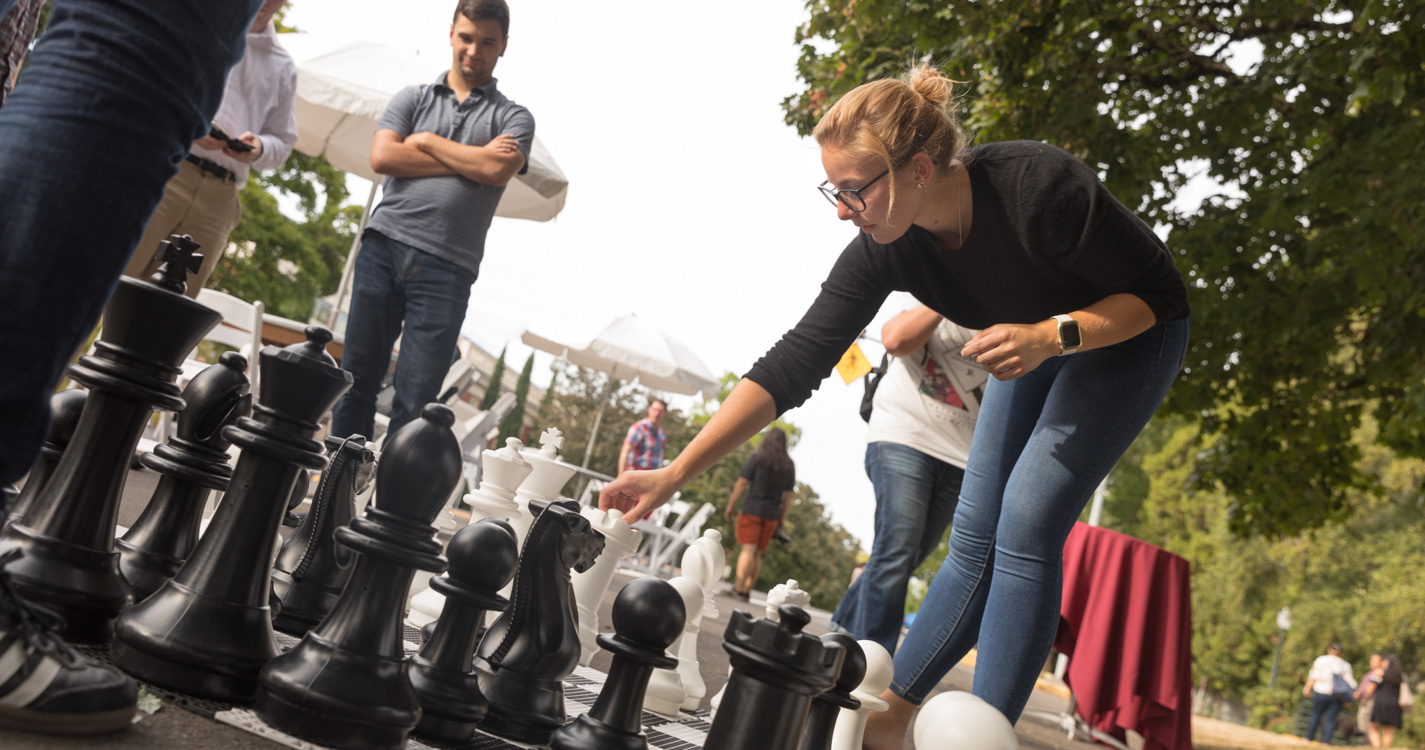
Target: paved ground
{"x": 173, "y": 727}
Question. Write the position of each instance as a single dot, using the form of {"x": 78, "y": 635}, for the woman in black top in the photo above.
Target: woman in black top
{"x": 1084, "y": 320}
{"x": 768, "y": 477}
{"x": 1384, "y": 689}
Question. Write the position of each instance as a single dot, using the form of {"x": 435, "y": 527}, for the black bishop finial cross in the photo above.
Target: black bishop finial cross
{"x": 179, "y": 259}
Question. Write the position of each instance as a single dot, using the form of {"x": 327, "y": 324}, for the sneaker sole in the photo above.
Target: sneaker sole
{"x": 45, "y": 722}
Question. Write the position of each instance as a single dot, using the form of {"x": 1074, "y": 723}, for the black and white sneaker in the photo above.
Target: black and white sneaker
{"x": 47, "y": 687}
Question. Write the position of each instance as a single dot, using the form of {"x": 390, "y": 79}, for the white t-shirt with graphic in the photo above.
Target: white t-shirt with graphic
{"x": 930, "y": 399}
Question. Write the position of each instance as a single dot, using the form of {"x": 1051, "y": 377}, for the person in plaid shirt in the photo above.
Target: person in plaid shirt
{"x": 643, "y": 448}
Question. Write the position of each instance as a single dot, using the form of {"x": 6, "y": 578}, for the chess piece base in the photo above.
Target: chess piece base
{"x": 587, "y": 733}
{"x": 316, "y": 726}
{"x": 451, "y": 703}
{"x": 540, "y": 703}
{"x": 82, "y": 583}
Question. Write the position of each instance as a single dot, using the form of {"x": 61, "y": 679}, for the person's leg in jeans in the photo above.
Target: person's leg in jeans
{"x": 437, "y": 293}
{"x": 377, "y": 306}
{"x": 1318, "y": 708}
{"x": 1044, "y": 442}
{"x": 1331, "y": 710}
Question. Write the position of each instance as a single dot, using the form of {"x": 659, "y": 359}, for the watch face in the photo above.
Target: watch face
{"x": 1069, "y": 335}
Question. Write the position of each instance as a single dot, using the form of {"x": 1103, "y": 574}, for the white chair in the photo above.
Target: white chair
{"x": 670, "y": 529}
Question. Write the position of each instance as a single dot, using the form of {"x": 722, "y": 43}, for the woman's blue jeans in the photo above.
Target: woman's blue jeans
{"x": 1323, "y": 706}
{"x": 915, "y": 500}
{"x": 1043, "y": 442}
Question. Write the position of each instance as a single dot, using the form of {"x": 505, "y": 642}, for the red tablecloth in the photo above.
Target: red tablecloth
{"x": 1126, "y": 624}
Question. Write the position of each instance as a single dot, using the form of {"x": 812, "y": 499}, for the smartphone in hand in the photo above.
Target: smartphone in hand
{"x": 232, "y": 142}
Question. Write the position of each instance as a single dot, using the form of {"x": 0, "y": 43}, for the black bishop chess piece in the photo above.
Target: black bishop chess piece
{"x": 776, "y": 670}
{"x": 69, "y": 562}
{"x": 208, "y": 630}
{"x": 648, "y": 616}
{"x": 346, "y": 684}
{"x": 312, "y": 569}
{"x": 827, "y": 705}
{"x": 529, "y": 650}
{"x": 64, "y": 410}
{"x": 193, "y": 463}
{"x": 482, "y": 557}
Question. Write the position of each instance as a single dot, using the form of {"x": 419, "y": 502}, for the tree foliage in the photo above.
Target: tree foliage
{"x": 497, "y": 380}
{"x": 510, "y": 426}
{"x": 1306, "y": 272}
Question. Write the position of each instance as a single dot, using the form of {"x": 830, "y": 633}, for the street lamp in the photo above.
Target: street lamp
{"x": 1283, "y": 624}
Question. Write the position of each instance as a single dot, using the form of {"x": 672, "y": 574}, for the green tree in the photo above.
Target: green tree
{"x": 497, "y": 379}
{"x": 1305, "y": 272}
{"x": 510, "y": 426}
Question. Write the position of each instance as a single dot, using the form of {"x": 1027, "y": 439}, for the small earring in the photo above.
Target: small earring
{"x": 921, "y": 185}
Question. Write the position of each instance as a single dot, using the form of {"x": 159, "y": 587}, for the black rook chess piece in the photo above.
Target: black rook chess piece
{"x": 482, "y": 556}
{"x": 192, "y": 463}
{"x": 208, "y": 630}
{"x": 776, "y": 669}
{"x": 648, "y": 616}
{"x": 346, "y": 684}
{"x": 529, "y": 650}
{"x": 826, "y": 706}
{"x": 64, "y": 410}
{"x": 312, "y": 569}
{"x": 69, "y": 563}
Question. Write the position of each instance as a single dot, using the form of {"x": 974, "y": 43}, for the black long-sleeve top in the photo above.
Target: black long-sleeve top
{"x": 1046, "y": 238}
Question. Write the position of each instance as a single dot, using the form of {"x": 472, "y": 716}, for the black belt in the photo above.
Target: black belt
{"x": 212, "y": 168}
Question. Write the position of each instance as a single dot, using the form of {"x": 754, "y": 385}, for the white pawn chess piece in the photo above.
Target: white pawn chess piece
{"x": 783, "y": 593}
{"x": 959, "y": 720}
{"x": 620, "y": 540}
{"x": 851, "y": 725}
{"x": 502, "y": 471}
{"x": 665, "y": 693}
{"x": 704, "y": 561}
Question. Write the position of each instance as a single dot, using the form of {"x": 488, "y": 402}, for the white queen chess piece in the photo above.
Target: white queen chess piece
{"x": 851, "y": 725}
{"x": 704, "y": 561}
{"x": 666, "y": 692}
{"x": 620, "y": 540}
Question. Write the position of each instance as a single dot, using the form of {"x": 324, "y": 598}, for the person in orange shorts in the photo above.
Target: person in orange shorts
{"x": 768, "y": 478}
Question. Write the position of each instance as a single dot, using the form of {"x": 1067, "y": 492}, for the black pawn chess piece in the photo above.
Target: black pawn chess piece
{"x": 208, "y": 630}
{"x": 192, "y": 463}
{"x": 69, "y": 562}
{"x": 346, "y": 684}
{"x": 528, "y": 651}
{"x": 482, "y": 557}
{"x": 312, "y": 569}
{"x": 648, "y": 616}
{"x": 776, "y": 669}
{"x": 64, "y": 410}
{"x": 826, "y": 706}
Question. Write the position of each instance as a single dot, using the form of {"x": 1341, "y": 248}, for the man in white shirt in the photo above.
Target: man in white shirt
{"x": 257, "y": 113}
{"x": 1320, "y": 687}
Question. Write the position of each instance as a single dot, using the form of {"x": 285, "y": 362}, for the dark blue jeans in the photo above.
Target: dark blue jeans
{"x": 1327, "y": 707}
{"x": 393, "y": 282}
{"x": 114, "y": 94}
{"x": 915, "y": 500}
{"x": 1043, "y": 442}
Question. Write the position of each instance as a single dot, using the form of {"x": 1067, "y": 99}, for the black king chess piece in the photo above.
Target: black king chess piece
{"x": 64, "y": 410}
{"x": 482, "y": 557}
{"x": 648, "y": 616}
{"x": 529, "y": 650}
{"x": 826, "y": 706}
{"x": 312, "y": 569}
{"x": 208, "y": 630}
{"x": 776, "y": 669}
{"x": 69, "y": 563}
{"x": 346, "y": 684}
{"x": 192, "y": 463}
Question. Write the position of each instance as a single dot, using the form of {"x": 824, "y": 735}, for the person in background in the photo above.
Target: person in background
{"x": 1364, "y": 704}
{"x": 1321, "y": 684}
{"x": 643, "y": 446}
{"x": 768, "y": 478}
{"x": 1384, "y": 690}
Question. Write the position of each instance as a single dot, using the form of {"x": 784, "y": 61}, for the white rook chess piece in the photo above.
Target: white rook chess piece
{"x": 666, "y": 692}
{"x": 704, "y": 561}
{"x": 502, "y": 471}
{"x": 960, "y": 720}
{"x": 851, "y": 725}
{"x": 783, "y": 593}
{"x": 620, "y": 540}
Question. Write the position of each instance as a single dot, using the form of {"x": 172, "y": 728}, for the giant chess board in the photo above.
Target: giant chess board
{"x": 581, "y": 689}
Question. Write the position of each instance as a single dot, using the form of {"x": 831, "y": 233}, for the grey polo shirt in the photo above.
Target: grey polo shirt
{"x": 448, "y": 216}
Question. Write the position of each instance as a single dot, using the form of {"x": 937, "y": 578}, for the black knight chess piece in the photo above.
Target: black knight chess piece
{"x": 312, "y": 569}
{"x": 826, "y": 706}
{"x": 776, "y": 669}
{"x": 648, "y": 616}
{"x": 208, "y": 630}
{"x": 192, "y": 463}
{"x": 64, "y": 410}
{"x": 69, "y": 562}
{"x": 346, "y": 684}
{"x": 529, "y": 650}
{"x": 482, "y": 557}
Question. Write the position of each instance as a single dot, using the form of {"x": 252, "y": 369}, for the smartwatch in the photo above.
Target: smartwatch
{"x": 1069, "y": 339}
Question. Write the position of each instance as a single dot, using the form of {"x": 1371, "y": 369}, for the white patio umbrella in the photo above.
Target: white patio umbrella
{"x": 632, "y": 348}
{"x": 342, "y": 90}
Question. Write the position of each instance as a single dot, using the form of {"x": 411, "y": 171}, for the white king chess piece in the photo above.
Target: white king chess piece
{"x": 620, "y": 540}
{"x": 851, "y": 725}
{"x": 783, "y": 593}
{"x": 704, "y": 561}
{"x": 501, "y": 473}
{"x": 665, "y": 693}
{"x": 549, "y": 476}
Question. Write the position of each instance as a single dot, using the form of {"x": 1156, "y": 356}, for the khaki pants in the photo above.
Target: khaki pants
{"x": 197, "y": 204}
